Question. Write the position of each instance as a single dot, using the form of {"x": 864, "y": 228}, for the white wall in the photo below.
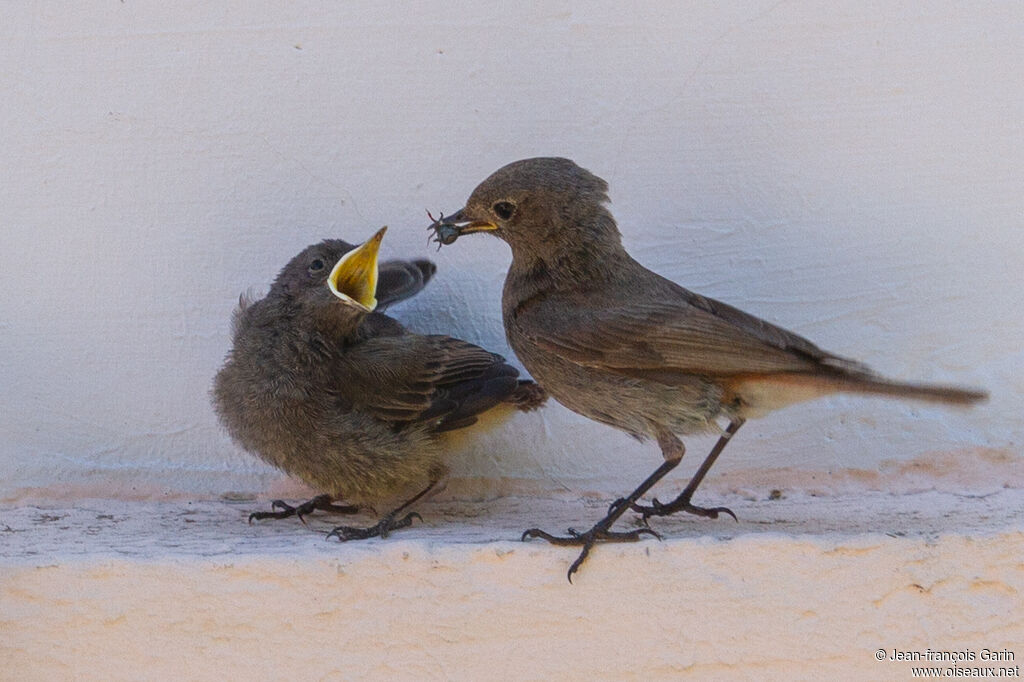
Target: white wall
{"x": 852, "y": 171}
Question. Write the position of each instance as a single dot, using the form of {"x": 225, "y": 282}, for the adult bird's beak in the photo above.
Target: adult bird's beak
{"x": 449, "y": 228}
{"x": 354, "y": 278}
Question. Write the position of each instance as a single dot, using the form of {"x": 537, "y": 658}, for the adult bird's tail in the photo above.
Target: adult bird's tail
{"x": 933, "y": 393}
{"x": 761, "y": 393}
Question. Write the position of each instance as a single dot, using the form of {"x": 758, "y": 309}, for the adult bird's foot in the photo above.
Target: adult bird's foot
{"x": 680, "y": 504}
{"x": 599, "y": 533}
{"x": 321, "y": 502}
{"x": 381, "y": 529}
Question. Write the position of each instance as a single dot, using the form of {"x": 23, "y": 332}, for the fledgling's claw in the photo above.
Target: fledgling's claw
{"x": 321, "y": 502}
{"x": 381, "y": 529}
{"x": 284, "y": 511}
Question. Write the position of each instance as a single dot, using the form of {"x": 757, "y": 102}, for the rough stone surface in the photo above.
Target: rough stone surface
{"x": 802, "y": 586}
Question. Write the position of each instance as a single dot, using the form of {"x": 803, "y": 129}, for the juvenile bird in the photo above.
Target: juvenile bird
{"x": 619, "y": 344}
{"x": 345, "y": 398}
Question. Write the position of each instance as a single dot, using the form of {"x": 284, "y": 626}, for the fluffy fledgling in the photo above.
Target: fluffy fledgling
{"x": 622, "y": 345}
{"x": 345, "y": 398}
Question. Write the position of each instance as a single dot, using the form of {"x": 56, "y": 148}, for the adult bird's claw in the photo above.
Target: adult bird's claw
{"x": 599, "y": 533}
{"x": 656, "y": 508}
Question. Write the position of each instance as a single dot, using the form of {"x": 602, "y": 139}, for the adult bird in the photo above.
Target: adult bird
{"x": 622, "y": 345}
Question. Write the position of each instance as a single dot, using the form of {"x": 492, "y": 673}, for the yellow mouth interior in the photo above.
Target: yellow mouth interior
{"x": 478, "y": 226}
{"x": 354, "y": 278}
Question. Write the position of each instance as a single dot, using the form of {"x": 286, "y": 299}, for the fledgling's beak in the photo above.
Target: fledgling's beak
{"x": 449, "y": 228}
{"x": 354, "y": 278}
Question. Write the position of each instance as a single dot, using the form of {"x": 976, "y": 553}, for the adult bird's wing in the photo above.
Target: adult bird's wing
{"x": 413, "y": 378}
{"x": 664, "y": 340}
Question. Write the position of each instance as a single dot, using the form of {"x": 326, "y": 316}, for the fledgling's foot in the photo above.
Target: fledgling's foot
{"x": 599, "y": 533}
{"x": 380, "y": 529}
{"x": 680, "y": 504}
{"x": 321, "y": 502}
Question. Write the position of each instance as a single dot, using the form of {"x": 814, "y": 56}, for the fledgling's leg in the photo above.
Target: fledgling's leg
{"x": 672, "y": 450}
{"x": 321, "y": 502}
{"x": 389, "y": 521}
{"x": 682, "y": 503}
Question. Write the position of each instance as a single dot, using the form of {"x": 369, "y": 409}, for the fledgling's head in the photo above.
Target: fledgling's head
{"x": 536, "y": 205}
{"x": 332, "y": 273}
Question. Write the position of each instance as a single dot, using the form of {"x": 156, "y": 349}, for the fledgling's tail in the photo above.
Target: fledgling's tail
{"x": 528, "y": 395}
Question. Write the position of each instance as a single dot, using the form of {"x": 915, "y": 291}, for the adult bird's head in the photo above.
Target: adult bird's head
{"x": 541, "y": 207}
{"x": 333, "y": 280}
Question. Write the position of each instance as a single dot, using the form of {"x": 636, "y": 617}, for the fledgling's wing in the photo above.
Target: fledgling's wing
{"x": 413, "y": 378}
{"x": 398, "y": 280}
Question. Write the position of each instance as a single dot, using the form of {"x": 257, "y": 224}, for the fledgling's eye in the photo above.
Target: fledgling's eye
{"x": 316, "y": 266}
{"x": 504, "y": 209}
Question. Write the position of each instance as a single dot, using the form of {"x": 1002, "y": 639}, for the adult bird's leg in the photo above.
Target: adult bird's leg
{"x": 682, "y": 503}
{"x": 387, "y": 523}
{"x": 672, "y": 449}
{"x": 321, "y": 502}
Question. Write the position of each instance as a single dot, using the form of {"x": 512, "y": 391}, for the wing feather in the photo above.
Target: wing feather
{"x": 427, "y": 378}
{"x": 666, "y": 340}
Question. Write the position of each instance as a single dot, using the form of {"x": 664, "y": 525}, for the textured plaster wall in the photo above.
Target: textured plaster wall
{"x": 851, "y": 171}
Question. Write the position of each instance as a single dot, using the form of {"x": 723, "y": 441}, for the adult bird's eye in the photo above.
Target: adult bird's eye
{"x": 316, "y": 266}
{"x": 504, "y": 209}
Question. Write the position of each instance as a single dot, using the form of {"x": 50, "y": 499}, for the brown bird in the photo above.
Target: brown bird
{"x": 617, "y": 343}
{"x": 345, "y": 398}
